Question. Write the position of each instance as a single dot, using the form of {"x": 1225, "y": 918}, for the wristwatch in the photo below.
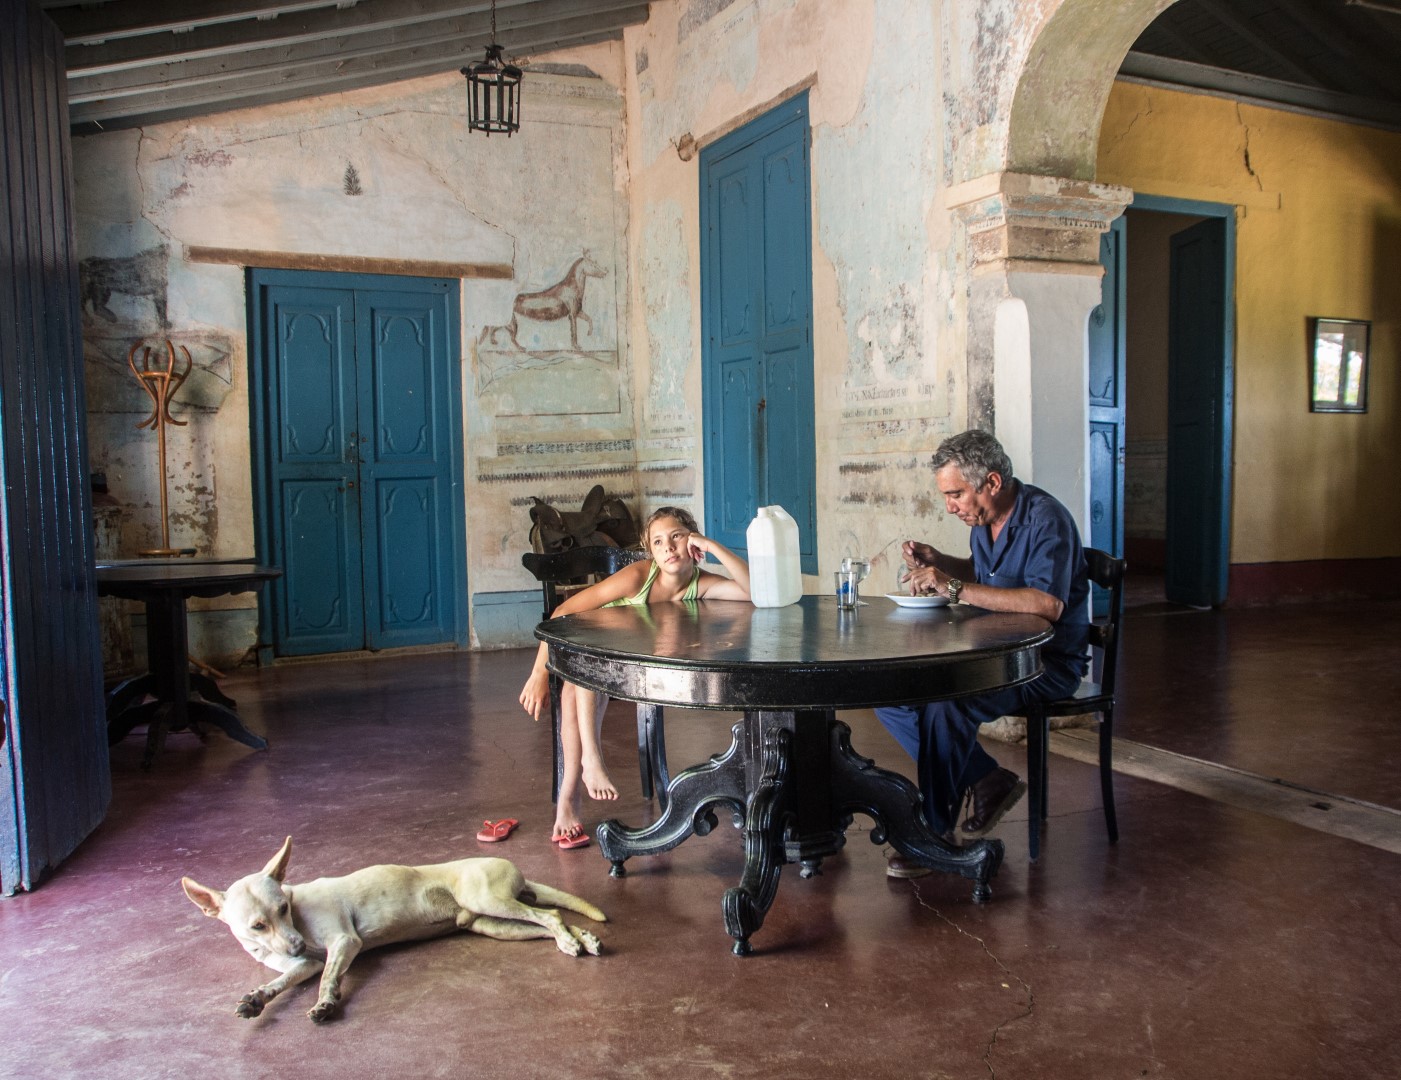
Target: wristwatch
{"x": 953, "y": 588}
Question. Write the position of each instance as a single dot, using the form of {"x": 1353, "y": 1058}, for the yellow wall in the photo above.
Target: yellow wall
{"x": 1318, "y": 233}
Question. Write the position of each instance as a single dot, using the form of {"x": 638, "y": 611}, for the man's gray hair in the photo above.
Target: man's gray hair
{"x": 976, "y": 453}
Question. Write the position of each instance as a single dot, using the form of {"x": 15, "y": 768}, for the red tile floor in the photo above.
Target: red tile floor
{"x": 1210, "y": 942}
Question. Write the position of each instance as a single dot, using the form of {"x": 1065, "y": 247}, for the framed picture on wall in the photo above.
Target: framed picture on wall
{"x": 1338, "y": 365}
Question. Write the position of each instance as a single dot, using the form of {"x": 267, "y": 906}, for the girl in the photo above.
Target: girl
{"x": 673, "y": 573}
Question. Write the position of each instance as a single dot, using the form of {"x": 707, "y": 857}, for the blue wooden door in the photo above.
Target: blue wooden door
{"x": 361, "y": 465}
{"x": 1106, "y": 399}
{"x": 1195, "y": 571}
{"x": 55, "y": 771}
{"x": 756, "y": 314}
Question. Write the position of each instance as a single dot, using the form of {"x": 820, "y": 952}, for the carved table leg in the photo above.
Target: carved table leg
{"x": 688, "y": 809}
{"x": 120, "y": 724}
{"x": 894, "y": 803}
{"x": 226, "y": 720}
{"x": 126, "y": 694}
{"x": 746, "y": 904}
{"x": 155, "y": 732}
{"x": 208, "y": 689}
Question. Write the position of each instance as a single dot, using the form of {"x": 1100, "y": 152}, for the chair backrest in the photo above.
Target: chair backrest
{"x": 566, "y": 567}
{"x": 1108, "y": 573}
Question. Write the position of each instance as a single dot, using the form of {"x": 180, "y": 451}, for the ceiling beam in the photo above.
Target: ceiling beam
{"x": 1390, "y": 7}
{"x": 1247, "y": 33}
{"x": 292, "y": 29}
{"x": 1358, "y": 58}
{"x": 281, "y": 61}
{"x": 1183, "y": 75}
{"x": 92, "y": 24}
{"x": 1182, "y": 42}
{"x": 152, "y": 109}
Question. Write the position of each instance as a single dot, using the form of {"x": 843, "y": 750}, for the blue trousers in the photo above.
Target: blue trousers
{"x": 942, "y": 737}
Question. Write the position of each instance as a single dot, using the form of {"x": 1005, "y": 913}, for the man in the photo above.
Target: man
{"x": 1026, "y": 557}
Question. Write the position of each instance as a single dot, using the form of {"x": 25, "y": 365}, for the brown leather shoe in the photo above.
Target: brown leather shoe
{"x": 993, "y": 796}
{"x": 897, "y": 866}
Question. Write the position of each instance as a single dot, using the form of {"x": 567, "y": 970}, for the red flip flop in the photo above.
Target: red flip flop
{"x": 492, "y": 831}
{"x": 574, "y": 838}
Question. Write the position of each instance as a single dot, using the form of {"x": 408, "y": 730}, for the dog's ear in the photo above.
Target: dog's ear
{"x": 277, "y": 867}
{"x": 209, "y": 901}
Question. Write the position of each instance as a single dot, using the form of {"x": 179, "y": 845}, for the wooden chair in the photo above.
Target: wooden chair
{"x": 1108, "y": 573}
{"x": 575, "y": 567}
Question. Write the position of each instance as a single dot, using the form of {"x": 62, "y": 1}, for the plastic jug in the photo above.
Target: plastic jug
{"x": 775, "y": 579}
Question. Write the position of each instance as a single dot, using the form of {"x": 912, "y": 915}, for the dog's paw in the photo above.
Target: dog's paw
{"x": 250, "y": 1006}
{"x": 591, "y": 944}
{"x": 324, "y": 1011}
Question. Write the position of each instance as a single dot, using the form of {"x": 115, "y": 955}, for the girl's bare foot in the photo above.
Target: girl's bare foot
{"x": 566, "y": 826}
{"x": 596, "y": 782}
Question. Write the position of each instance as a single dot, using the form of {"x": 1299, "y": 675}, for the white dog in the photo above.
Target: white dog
{"x": 300, "y": 929}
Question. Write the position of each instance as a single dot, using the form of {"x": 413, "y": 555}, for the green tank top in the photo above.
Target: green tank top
{"x": 640, "y": 598}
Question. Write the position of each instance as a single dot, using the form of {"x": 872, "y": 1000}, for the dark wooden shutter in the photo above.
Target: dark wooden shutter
{"x": 54, "y": 775}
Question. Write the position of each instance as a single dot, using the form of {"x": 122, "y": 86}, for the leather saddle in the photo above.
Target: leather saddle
{"x": 601, "y": 521}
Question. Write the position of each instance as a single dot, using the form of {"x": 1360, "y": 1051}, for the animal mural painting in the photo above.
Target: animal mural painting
{"x": 142, "y": 276}
{"x": 562, "y": 300}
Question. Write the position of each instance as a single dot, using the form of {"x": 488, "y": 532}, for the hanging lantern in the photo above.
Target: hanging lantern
{"x": 493, "y": 90}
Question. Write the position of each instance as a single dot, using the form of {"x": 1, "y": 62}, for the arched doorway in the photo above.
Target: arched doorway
{"x": 1034, "y": 297}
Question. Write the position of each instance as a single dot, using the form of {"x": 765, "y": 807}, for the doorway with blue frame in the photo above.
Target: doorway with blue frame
{"x": 1161, "y": 389}
{"x": 356, "y": 401}
{"x": 756, "y": 319}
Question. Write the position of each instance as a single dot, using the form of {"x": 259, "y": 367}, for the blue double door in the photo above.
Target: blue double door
{"x": 1108, "y": 404}
{"x": 756, "y": 311}
{"x": 1199, "y": 394}
{"x": 358, "y": 459}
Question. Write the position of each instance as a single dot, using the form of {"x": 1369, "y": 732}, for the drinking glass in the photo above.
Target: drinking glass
{"x": 848, "y": 588}
{"x": 860, "y": 567}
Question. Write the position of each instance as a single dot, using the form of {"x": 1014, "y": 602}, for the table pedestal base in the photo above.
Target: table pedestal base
{"x": 173, "y": 686}
{"x": 793, "y": 782}
{"x": 127, "y": 709}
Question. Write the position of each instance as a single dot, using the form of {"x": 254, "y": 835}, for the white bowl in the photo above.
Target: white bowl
{"x": 917, "y": 601}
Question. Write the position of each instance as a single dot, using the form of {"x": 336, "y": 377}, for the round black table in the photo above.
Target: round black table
{"x": 164, "y": 586}
{"x": 790, "y": 774}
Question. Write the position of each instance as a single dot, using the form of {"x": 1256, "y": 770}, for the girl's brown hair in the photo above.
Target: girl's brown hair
{"x": 683, "y": 516}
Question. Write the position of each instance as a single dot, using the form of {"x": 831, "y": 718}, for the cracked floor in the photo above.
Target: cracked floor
{"x": 1211, "y": 941}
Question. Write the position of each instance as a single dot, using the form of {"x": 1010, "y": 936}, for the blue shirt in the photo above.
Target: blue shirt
{"x": 1039, "y": 548}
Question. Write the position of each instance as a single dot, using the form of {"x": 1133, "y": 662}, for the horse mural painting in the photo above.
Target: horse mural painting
{"x": 563, "y": 300}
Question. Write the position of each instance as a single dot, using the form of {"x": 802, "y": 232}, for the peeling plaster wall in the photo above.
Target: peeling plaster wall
{"x": 1052, "y": 122}
{"x": 385, "y": 174}
{"x": 905, "y": 96}
{"x": 909, "y": 98}
{"x": 987, "y": 44}
{"x": 1318, "y": 233}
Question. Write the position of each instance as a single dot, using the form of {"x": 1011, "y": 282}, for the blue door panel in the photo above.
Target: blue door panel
{"x": 409, "y": 609}
{"x": 1106, "y": 513}
{"x": 789, "y": 438}
{"x": 320, "y": 560}
{"x": 1106, "y": 329}
{"x": 1107, "y": 414}
{"x": 737, "y": 420}
{"x": 735, "y": 221}
{"x": 312, "y": 471}
{"x": 401, "y": 392}
{"x": 314, "y": 383}
{"x": 787, "y": 269}
{"x": 406, "y": 467}
{"x": 756, "y": 311}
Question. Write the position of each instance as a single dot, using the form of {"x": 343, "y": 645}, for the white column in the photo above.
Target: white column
{"x": 1034, "y": 249}
{"x": 1050, "y": 401}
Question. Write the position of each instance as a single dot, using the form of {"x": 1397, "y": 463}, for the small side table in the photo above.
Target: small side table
{"x": 180, "y": 699}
